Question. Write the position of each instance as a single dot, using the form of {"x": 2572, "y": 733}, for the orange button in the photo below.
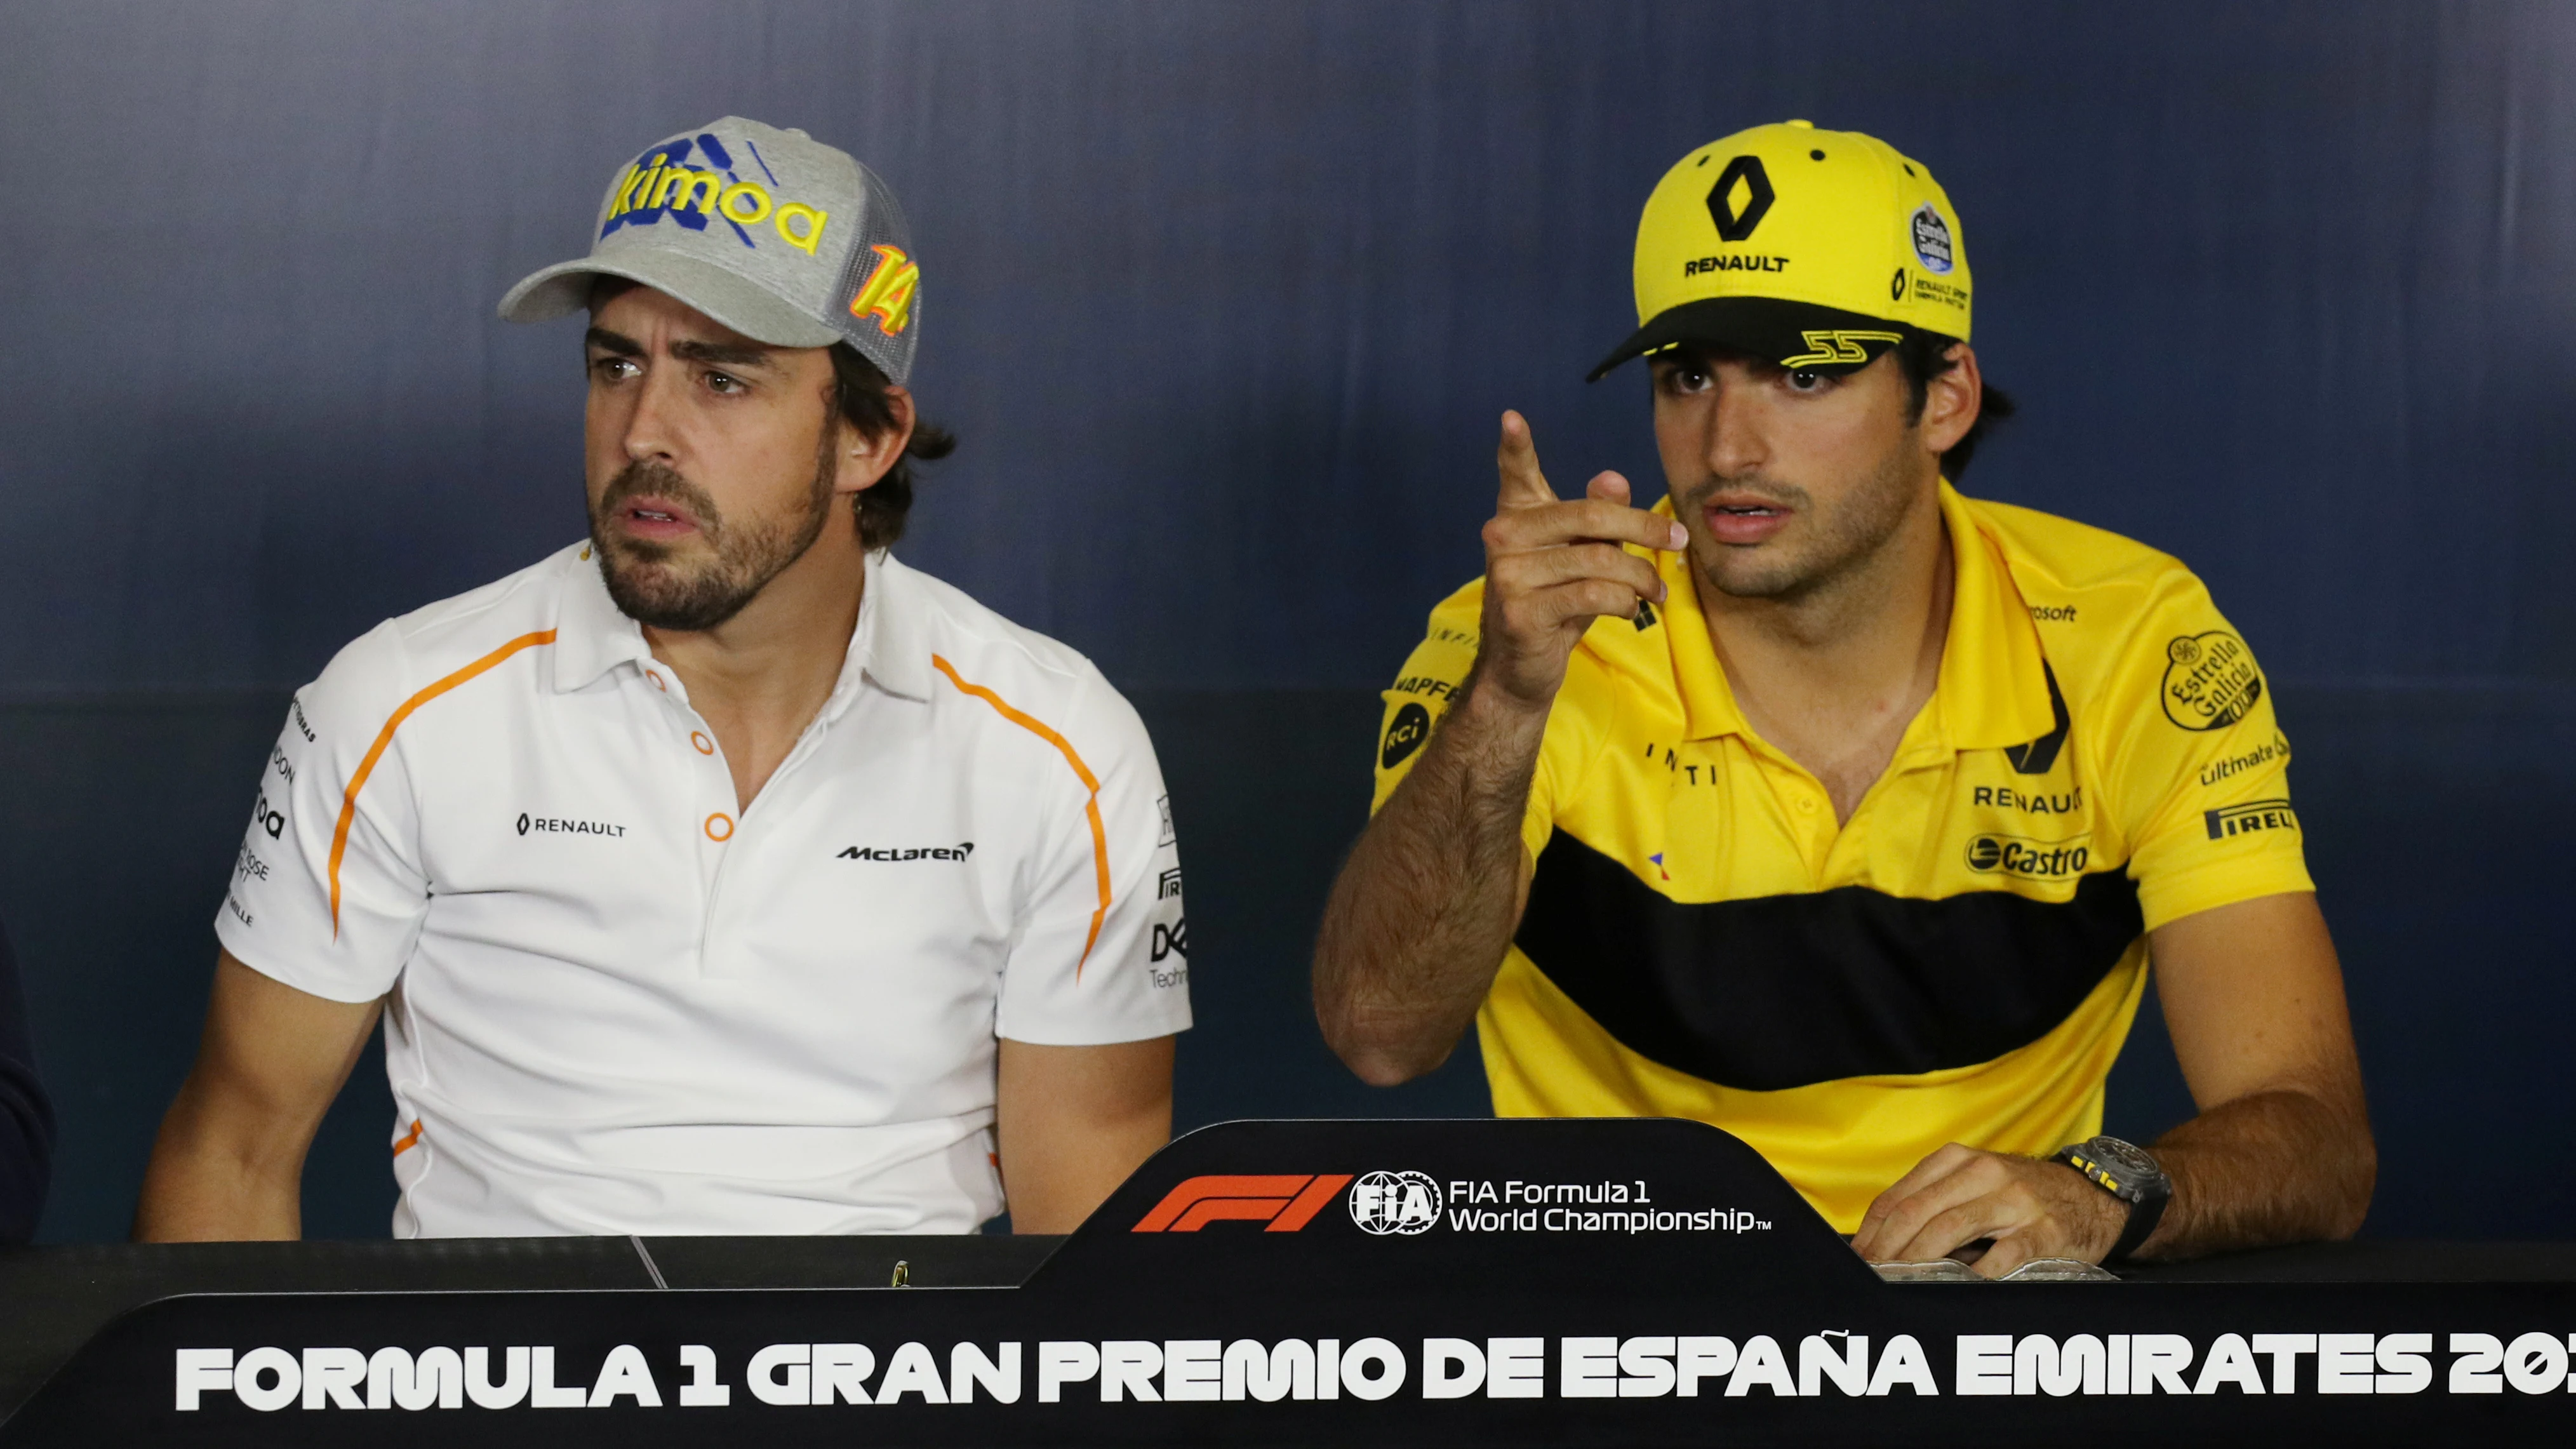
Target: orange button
{"x": 705, "y": 746}
{"x": 657, "y": 681}
{"x": 719, "y": 826}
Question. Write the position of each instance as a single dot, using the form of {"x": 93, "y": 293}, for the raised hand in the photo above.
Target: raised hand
{"x": 1554, "y": 565}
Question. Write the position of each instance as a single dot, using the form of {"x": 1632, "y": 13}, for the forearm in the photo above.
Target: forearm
{"x": 2282, "y": 1166}
{"x": 1070, "y": 1124}
{"x": 207, "y": 1184}
{"x": 1423, "y": 910}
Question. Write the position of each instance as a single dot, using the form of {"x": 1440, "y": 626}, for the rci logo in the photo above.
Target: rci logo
{"x": 1395, "y": 1202}
{"x": 1412, "y": 725}
{"x": 1286, "y": 1202}
{"x": 887, "y": 293}
{"x": 1735, "y": 223}
{"x": 2029, "y": 859}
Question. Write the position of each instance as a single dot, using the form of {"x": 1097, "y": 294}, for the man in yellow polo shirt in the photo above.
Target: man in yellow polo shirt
{"x": 1845, "y": 812}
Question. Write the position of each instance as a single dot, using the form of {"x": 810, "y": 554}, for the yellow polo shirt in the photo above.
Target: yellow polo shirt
{"x": 1959, "y": 961}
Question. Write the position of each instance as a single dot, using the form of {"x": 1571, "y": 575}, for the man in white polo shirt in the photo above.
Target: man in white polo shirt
{"x": 719, "y": 874}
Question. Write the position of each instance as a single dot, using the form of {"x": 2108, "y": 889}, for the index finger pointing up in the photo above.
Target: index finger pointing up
{"x": 1524, "y": 486}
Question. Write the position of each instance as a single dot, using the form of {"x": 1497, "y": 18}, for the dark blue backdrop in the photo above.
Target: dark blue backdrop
{"x": 1223, "y": 300}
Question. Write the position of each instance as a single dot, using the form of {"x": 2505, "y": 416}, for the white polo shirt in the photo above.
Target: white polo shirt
{"x": 617, "y": 1002}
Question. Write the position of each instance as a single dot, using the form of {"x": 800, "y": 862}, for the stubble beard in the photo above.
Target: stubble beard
{"x": 651, "y": 584}
{"x": 1840, "y": 544}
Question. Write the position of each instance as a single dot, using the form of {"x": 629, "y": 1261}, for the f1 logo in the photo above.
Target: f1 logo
{"x": 1287, "y": 1202}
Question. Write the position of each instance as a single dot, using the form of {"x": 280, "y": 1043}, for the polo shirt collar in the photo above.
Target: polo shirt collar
{"x": 892, "y": 643}
{"x": 592, "y": 636}
{"x": 890, "y": 646}
{"x": 1992, "y": 691}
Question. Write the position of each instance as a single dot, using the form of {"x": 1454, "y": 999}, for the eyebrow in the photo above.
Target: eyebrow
{"x": 722, "y": 354}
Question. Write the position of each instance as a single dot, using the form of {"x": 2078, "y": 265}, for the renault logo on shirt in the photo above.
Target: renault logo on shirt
{"x": 550, "y": 825}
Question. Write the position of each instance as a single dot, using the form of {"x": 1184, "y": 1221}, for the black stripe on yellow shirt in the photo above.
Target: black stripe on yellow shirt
{"x": 1788, "y": 990}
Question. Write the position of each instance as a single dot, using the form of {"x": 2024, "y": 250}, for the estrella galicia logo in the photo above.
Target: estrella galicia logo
{"x": 1172, "y": 940}
{"x": 2229, "y": 821}
{"x": 1932, "y": 240}
{"x": 1404, "y": 735}
{"x": 1737, "y": 223}
{"x": 2210, "y": 680}
{"x": 2028, "y": 859}
{"x": 1395, "y": 1202}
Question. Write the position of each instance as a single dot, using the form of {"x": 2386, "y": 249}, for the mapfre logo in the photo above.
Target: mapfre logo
{"x": 1286, "y": 1202}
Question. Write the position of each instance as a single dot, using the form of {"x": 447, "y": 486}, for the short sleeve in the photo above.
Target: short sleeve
{"x": 327, "y": 893}
{"x": 2199, "y": 768}
{"x": 1431, "y": 681}
{"x": 1089, "y": 970}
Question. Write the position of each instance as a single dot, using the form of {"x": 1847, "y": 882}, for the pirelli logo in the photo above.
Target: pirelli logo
{"x": 2229, "y": 821}
{"x": 1286, "y": 1202}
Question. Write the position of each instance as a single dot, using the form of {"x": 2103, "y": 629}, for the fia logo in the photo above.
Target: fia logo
{"x": 1395, "y": 1202}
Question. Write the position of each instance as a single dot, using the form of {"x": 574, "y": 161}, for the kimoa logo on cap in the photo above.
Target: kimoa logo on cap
{"x": 659, "y": 182}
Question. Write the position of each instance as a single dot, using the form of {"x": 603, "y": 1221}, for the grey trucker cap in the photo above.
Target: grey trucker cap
{"x": 772, "y": 233}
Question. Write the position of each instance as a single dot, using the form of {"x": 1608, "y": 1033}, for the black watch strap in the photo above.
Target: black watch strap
{"x": 2128, "y": 1173}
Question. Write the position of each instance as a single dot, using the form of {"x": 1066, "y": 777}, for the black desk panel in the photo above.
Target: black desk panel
{"x": 1505, "y": 1283}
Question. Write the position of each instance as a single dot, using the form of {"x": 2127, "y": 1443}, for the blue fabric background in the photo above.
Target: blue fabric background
{"x": 1223, "y": 300}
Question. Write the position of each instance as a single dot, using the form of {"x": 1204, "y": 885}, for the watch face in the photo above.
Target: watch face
{"x": 2130, "y": 1165}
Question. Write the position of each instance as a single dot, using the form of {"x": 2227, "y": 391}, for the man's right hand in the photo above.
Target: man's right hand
{"x": 1552, "y": 566}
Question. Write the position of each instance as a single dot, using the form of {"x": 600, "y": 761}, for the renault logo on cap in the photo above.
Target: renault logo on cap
{"x": 1734, "y": 225}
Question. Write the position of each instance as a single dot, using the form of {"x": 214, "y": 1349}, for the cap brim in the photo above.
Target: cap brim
{"x": 746, "y": 307}
{"x": 1797, "y": 335}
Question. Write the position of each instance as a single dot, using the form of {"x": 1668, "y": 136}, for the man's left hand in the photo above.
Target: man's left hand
{"x": 1957, "y": 1196}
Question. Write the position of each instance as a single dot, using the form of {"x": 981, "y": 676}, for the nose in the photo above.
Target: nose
{"x": 1736, "y": 443}
{"x": 651, "y": 429}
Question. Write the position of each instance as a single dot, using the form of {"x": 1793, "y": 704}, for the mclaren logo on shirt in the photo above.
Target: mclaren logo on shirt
{"x": 959, "y": 851}
{"x": 2028, "y": 859}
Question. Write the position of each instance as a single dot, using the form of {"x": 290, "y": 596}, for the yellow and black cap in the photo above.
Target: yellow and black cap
{"x": 1818, "y": 250}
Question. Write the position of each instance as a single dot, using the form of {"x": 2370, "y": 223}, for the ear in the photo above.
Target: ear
{"x": 1951, "y": 401}
{"x": 864, "y": 460}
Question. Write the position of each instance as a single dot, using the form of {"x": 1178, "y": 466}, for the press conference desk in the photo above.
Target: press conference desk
{"x": 1393, "y": 1332}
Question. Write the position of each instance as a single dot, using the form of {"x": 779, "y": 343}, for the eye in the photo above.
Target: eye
{"x": 725, "y": 384}
{"x": 1684, "y": 378}
{"x": 1803, "y": 380}
{"x": 614, "y": 369}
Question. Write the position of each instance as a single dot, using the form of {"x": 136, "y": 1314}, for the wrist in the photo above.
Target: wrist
{"x": 2132, "y": 1188}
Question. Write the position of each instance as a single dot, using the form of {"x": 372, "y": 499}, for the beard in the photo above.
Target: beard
{"x": 1840, "y": 543}
{"x": 653, "y": 585}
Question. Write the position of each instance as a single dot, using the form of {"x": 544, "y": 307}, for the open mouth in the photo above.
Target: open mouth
{"x": 1741, "y": 520}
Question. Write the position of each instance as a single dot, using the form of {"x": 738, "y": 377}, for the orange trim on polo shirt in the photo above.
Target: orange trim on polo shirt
{"x": 385, "y": 737}
{"x": 408, "y": 1140}
{"x": 1090, "y": 782}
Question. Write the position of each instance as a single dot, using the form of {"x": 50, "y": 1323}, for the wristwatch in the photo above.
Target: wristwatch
{"x": 2126, "y": 1172}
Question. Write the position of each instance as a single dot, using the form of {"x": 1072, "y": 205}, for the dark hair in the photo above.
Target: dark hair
{"x": 1923, "y": 356}
{"x": 859, "y": 389}
{"x": 860, "y": 392}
